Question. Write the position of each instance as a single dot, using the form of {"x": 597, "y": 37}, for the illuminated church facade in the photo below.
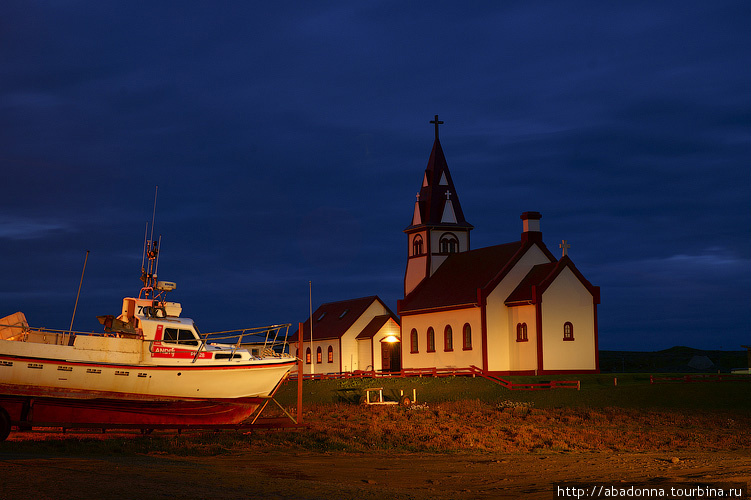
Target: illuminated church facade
{"x": 512, "y": 308}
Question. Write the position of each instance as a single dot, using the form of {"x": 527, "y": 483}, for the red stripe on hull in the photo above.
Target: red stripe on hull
{"x": 46, "y": 411}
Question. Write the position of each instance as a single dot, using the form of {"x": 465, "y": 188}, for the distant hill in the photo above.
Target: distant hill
{"x": 678, "y": 359}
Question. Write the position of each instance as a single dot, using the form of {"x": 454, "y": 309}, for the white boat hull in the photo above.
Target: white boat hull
{"x": 106, "y": 371}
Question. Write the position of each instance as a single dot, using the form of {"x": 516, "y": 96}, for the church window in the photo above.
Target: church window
{"x": 448, "y": 244}
{"x": 417, "y": 245}
{"x": 467, "y": 337}
{"x": 431, "y": 340}
{"x": 319, "y": 355}
{"x": 307, "y": 356}
{"x": 568, "y": 331}
{"x": 414, "y": 343}
{"x": 448, "y": 339}
{"x": 521, "y": 332}
{"x": 331, "y": 354}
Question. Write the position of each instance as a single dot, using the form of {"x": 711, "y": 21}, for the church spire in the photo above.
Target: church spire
{"x": 438, "y": 191}
{"x": 438, "y": 226}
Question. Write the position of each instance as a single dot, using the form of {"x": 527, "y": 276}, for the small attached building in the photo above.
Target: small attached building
{"x": 350, "y": 335}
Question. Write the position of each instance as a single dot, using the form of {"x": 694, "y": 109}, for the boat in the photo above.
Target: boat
{"x": 150, "y": 368}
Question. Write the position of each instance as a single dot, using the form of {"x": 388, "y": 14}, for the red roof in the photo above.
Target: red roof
{"x": 375, "y": 326}
{"x": 522, "y": 294}
{"x": 540, "y": 277}
{"x": 457, "y": 280}
{"x": 332, "y": 320}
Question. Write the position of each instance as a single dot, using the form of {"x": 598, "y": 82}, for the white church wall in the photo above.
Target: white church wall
{"x": 568, "y": 300}
{"x": 458, "y": 357}
{"x": 522, "y": 354}
{"x": 500, "y": 335}
{"x": 350, "y": 355}
{"x": 365, "y": 356}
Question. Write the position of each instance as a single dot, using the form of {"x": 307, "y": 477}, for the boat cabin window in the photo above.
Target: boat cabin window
{"x": 175, "y": 336}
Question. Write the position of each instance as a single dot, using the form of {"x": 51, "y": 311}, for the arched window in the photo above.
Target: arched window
{"x": 448, "y": 244}
{"x": 331, "y": 354}
{"x": 448, "y": 339}
{"x": 521, "y": 332}
{"x": 417, "y": 245}
{"x": 319, "y": 355}
{"x": 467, "y": 337}
{"x": 413, "y": 341}
{"x": 431, "y": 340}
{"x": 568, "y": 331}
{"x": 307, "y": 356}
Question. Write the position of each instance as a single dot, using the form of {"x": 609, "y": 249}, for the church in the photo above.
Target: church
{"x": 509, "y": 309}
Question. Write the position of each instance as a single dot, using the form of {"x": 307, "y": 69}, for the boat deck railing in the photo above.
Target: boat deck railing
{"x": 268, "y": 341}
{"x": 264, "y": 341}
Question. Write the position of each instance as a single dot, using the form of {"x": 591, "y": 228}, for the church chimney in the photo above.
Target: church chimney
{"x": 531, "y": 227}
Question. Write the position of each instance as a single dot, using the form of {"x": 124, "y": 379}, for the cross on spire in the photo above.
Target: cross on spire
{"x": 564, "y": 246}
{"x": 436, "y": 122}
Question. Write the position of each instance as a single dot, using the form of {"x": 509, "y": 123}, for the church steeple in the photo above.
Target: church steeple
{"x": 438, "y": 225}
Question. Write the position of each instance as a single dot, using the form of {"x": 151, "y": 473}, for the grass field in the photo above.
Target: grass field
{"x": 633, "y": 391}
{"x": 463, "y": 414}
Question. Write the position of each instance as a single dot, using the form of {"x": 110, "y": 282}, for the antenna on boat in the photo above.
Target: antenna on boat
{"x": 150, "y": 249}
{"x": 79, "y": 292}
{"x": 153, "y": 213}
{"x": 143, "y": 257}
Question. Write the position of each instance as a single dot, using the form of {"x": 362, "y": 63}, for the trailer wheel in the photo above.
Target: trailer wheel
{"x": 4, "y": 424}
{"x": 405, "y": 401}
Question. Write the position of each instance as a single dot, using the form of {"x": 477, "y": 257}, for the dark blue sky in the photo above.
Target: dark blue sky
{"x": 288, "y": 141}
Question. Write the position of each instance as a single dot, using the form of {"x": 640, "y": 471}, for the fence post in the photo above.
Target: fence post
{"x": 299, "y": 373}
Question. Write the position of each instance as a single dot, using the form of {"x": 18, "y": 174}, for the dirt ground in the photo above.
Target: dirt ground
{"x": 303, "y": 475}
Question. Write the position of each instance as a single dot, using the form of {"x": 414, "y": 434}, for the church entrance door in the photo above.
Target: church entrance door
{"x": 391, "y": 356}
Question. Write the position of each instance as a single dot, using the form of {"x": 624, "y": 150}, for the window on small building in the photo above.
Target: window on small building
{"x": 343, "y": 314}
{"x": 413, "y": 341}
{"x": 319, "y": 355}
{"x": 467, "y": 337}
{"x": 307, "y": 356}
{"x": 431, "y": 340}
{"x": 417, "y": 245}
{"x": 448, "y": 339}
{"x": 521, "y": 332}
{"x": 331, "y": 354}
{"x": 568, "y": 331}
{"x": 448, "y": 244}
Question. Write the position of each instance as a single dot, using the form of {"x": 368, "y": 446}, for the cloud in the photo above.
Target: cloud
{"x": 28, "y": 229}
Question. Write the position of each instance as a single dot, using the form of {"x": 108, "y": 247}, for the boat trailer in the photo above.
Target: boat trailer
{"x": 403, "y": 400}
